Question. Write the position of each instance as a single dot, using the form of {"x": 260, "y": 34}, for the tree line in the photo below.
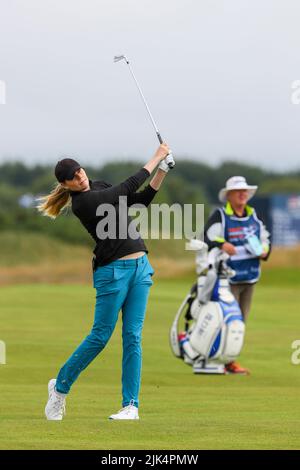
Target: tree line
{"x": 190, "y": 182}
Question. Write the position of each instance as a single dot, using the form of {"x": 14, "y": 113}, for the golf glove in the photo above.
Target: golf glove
{"x": 164, "y": 164}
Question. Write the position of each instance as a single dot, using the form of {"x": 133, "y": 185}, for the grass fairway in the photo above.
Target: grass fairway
{"x": 42, "y": 324}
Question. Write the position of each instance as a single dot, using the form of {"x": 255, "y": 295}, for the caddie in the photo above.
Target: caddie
{"x": 237, "y": 230}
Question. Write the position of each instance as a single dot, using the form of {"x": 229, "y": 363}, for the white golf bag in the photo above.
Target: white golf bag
{"x": 214, "y": 328}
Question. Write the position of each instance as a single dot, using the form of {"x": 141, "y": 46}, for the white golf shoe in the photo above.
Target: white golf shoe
{"x": 128, "y": 412}
{"x": 56, "y": 406}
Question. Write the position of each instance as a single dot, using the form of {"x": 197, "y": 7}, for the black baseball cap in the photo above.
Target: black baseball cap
{"x": 65, "y": 169}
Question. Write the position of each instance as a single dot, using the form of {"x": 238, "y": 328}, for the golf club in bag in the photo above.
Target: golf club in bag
{"x": 214, "y": 329}
{"x": 169, "y": 158}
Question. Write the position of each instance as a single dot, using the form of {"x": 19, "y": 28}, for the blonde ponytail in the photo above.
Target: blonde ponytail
{"x": 54, "y": 203}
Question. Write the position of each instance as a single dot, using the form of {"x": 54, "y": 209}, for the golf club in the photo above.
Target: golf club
{"x": 169, "y": 158}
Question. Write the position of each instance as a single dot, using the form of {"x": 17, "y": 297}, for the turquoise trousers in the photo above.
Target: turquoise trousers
{"x": 121, "y": 285}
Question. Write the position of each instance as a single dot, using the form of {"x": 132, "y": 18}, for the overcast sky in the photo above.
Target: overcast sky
{"x": 216, "y": 73}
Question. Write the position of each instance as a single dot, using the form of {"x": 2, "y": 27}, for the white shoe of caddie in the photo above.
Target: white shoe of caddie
{"x": 56, "y": 405}
{"x": 128, "y": 412}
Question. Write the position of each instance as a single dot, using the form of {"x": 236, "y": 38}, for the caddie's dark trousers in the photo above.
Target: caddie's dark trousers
{"x": 243, "y": 294}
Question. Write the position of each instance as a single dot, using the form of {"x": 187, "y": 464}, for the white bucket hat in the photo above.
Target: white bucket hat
{"x": 236, "y": 182}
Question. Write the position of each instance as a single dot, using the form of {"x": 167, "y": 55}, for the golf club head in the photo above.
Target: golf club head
{"x": 117, "y": 58}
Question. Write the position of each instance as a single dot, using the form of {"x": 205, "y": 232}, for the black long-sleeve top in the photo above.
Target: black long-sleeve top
{"x": 86, "y": 203}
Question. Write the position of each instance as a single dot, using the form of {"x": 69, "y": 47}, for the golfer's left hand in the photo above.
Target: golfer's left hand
{"x": 163, "y": 164}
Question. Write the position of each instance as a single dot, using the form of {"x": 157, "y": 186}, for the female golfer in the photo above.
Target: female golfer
{"x": 121, "y": 273}
{"x": 230, "y": 228}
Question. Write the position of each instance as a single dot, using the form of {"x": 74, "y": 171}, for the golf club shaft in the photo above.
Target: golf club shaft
{"x": 145, "y": 103}
{"x": 169, "y": 158}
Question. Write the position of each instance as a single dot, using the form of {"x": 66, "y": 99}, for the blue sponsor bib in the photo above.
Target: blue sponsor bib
{"x": 243, "y": 232}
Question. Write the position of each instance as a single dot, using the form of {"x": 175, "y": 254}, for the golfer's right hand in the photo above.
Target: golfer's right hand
{"x": 229, "y": 248}
{"x": 162, "y": 151}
